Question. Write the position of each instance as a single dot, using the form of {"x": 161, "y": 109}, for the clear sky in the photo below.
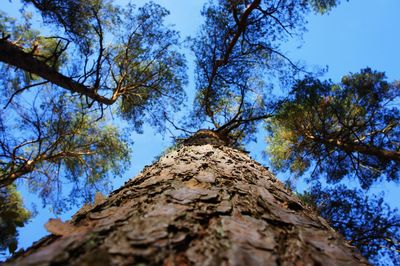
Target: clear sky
{"x": 356, "y": 34}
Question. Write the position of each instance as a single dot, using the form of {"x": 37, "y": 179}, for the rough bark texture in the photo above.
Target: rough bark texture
{"x": 199, "y": 205}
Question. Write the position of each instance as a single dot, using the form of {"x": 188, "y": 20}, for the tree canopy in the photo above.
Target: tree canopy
{"x": 238, "y": 45}
{"x": 142, "y": 58}
{"x": 12, "y": 215}
{"x": 104, "y": 54}
{"x": 346, "y": 129}
{"x": 69, "y": 90}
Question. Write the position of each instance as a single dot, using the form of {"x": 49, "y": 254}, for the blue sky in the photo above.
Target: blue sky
{"x": 356, "y": 34}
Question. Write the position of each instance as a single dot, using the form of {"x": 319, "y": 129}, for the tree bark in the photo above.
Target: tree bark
{"x": 199, "y": 205}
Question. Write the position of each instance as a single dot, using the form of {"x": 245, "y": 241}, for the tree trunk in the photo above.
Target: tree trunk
{"x": 199, "y": 205}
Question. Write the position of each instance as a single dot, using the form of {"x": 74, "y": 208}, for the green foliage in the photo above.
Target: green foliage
{"x": 77, "y": 18}
{"x": 47, "y": 49}
{"x": 58, "y": 141}
{"x": 366, "y": 221}
{"x": 323, "y": 6}
{"x": 150, "y": 70}
{"x": 125, "y": 56}
{"x": 12, "y": 215}
{"x": 238, "y": 58}
{"x": 346, "y": 129}
{"x": 115, "y": 55}
{"x": 20, "y": 31}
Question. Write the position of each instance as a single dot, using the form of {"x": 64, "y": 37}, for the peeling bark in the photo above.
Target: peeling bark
{"x": 199, "y": 205}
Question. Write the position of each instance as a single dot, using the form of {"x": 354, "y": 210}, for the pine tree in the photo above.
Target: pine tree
{"x": 231, "y": 210}
{"x": 204, "y": 203}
